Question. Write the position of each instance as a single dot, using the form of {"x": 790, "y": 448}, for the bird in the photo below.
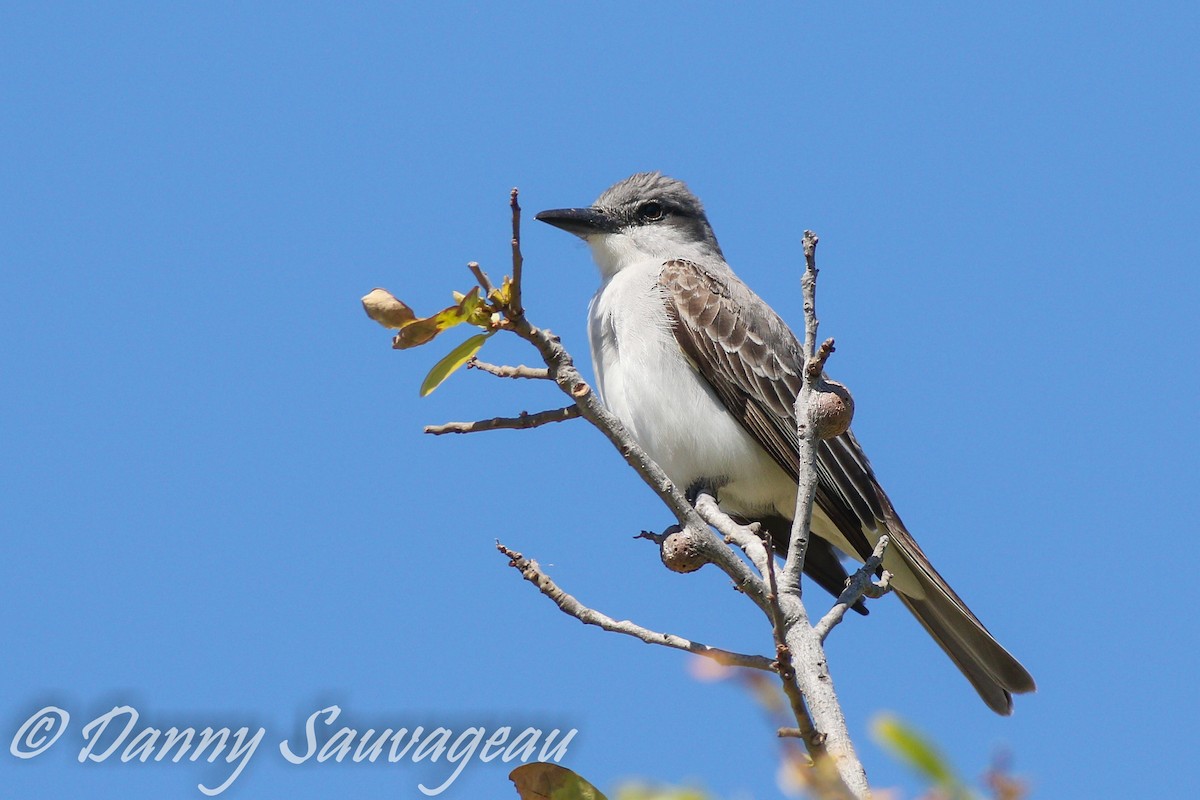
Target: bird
{"x": 704, "y": 374}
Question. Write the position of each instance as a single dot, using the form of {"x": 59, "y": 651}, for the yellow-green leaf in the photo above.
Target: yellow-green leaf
{"x": 420, "y": 331}
{"x": 907, "y": 744}
{"x": 481, "y": 317}
{"x": 503, "y": 295}
{"x": 453, "y": 360}
{"x": 415, "y": 332}
{"x": 469, "y": 302}
{"x": 545, "y": 781}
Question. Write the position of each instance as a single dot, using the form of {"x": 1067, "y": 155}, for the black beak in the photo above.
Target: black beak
{"x": 582, "y": 222}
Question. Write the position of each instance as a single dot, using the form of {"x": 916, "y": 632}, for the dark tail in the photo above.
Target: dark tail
{"x": 991, "y": 669}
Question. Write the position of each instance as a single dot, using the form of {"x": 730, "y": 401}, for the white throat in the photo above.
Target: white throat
{"x": 614, "y": 252}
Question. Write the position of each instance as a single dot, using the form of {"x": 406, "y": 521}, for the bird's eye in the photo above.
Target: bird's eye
{"x": 651, "y": 212}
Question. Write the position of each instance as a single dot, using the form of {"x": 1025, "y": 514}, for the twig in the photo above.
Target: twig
{"x": 807, "y": 487}
{"x": 744, "y": 536}
{"x": 530, "y": 570}
{"x": 521, "y": 371}
{"x": 861, "y": 584}
{"x": 518, "y": 261}
{"x": 808, "y": 284}
{"x": 814, "y": 367}
{"x": 485, "y": 283}
{"x": 814, "y": 740}
{"x": 520, "y": 422}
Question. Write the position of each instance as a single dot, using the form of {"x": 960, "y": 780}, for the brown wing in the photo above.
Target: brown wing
{"x": 753, "y": 362}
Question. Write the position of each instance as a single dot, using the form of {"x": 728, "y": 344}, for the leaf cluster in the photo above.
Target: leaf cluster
{"x": 413, "y": 331}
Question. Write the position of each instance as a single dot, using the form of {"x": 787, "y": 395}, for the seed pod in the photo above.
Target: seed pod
{"x": 679, "y": 552}
{"x": 832, "y": 409}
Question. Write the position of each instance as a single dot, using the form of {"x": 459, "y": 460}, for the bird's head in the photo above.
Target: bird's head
{"x": 645, "y": 216}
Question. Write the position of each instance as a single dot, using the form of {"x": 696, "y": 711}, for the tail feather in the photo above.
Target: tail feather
{"x": 992, "y": 670}
{"x": 994, "y": 673}
{"x": 980, "y": 670}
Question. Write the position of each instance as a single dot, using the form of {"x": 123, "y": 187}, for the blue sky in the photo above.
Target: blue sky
{"x": 216, "y": 501}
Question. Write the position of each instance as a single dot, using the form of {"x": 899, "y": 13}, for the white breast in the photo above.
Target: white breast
{"x": 645, "y": 379}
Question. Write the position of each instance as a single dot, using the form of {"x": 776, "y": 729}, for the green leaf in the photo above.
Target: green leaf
{"x": 503, "y": 295}
{"x": 453, "y": 360}
{"x": 470, "y": 302}
{"x": 907, "y": 744}
{"x": 419, "y": 331}
{"x": 545, "y": 781}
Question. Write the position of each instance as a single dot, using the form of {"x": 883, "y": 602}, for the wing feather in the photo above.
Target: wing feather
{"x": 753, "y": 362}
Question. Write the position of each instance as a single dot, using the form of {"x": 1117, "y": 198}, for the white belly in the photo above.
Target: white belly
{"x": 645, "y": 380}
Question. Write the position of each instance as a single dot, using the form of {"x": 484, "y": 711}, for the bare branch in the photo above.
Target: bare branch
{"x": 530, "y": 570}
{"x": 759, "y": 550}
{"x": 485, "y": 282}
{"x": 807, "y": 488}
{"x": 518, "y": 261}
{"x": 521, "y": 422}
{"x": 808, "y": 285}
{"x": 803, "y": 644}
{"x": 744, "y": 536}
{"x": 861, "y": 584}
{"x": 816, "y": 686}
{"x": 521, "y": 371}
{"x": 814, "y": 740}
{"x": 569, "y": 380}
{"x": 814, "y": 367}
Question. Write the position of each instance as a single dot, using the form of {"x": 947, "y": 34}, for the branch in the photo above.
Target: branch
{"x": 803, "y": 643}
{"x": 518, "y": 261}
{"x": 522, "y": 421}
{"x": 817, "y": 364}
{"x": 562, "y": 371}
{"x": 485, "y": 283}
{"x": 807, "y": 488}
{"x": 860, "y": 585}
{"x": 760, "y": 551}
{"x": 744, "y": 536}
{"x": 814, "y": 740}
{"x": 521, "y": 371}
{"x": 531, "y": 572}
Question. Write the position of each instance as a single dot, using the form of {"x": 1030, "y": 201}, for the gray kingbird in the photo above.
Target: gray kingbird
{"x": 704, "y": 374}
